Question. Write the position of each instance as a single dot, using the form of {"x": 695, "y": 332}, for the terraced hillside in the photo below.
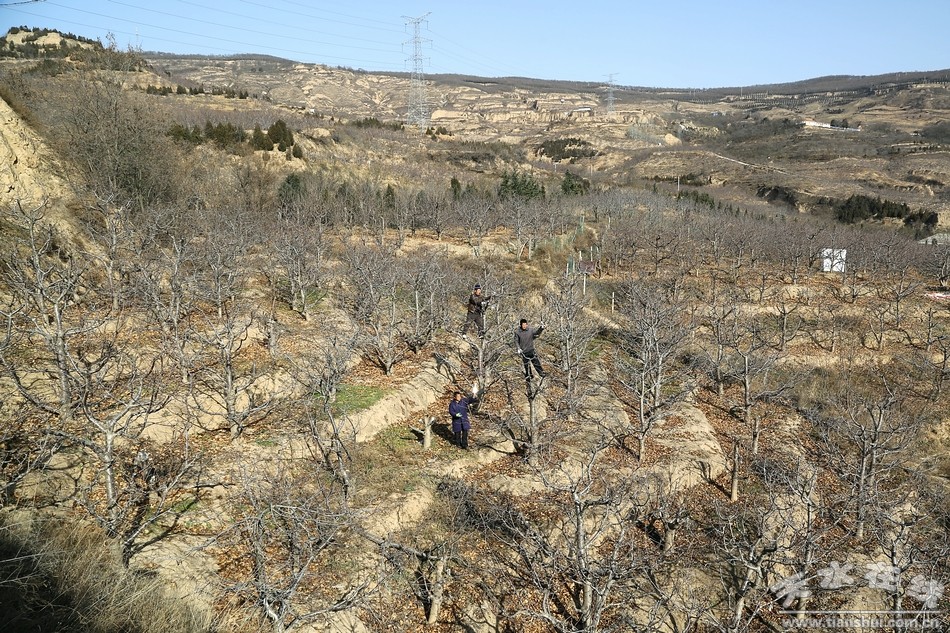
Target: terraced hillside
{"x": 226, "y": 367}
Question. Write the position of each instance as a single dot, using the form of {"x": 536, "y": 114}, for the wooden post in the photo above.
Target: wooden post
{"x": 272, "y": 336}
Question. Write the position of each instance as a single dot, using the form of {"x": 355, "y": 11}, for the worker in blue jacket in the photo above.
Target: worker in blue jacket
{"x": 458, "y": 411}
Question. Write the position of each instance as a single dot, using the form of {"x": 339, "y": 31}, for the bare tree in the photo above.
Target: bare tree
{"x": 223, "y": 269}
{"x": 95, "y": 385}
{"x": 426, "y": 558}
{"x": 911, "y": 544}
{"x": 485, "y": 356}
{"x": 168, "y": 288}
{"x": 721, "y": 322}
{"x": 579, "y": 553}
{"x": 788, "y": 307}
{"x": 936, "y": 263}
{"x": 44, "y": 280}
{"x": 115, "y": 136}
{"x": 573, "y": 327}
{"x": 113, "y": 230}
{"x": 620, "y": 244}
{"x": 523, "y": 216}
{"x": 827, "y": 323}
{"x": 752, "y": 363}
{"x": 798, "y": 248}
{"x": 743, "y": 242}
{"x": 373, "y": 300}
{"x": 225, "y": 386}
{"x": 532, "y": 427}
{"x": 429, "y": 279}
{"x": 867, "y": 423}
{"x": 656, "y": 331}
{"x": 300, "y": 248}
{"x": 288, "y": 526}
{"x": 662, "y": 239}
{"x": 476, "y": 219}
{"x": 26, "y": 446}
{"x": 745, "y": 546}
{"x": 331, "y": 435}
{"x": 433, "y": 211}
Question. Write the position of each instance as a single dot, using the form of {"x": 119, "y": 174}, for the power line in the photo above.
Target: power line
{"x": 256, "y": 19}
{"x": 345, "y": 15}
{"x": 191, "y": 22}
{"x": 234, "y": 28}
{"x": 478, "y": 59}
{"x": 246, "y": 47}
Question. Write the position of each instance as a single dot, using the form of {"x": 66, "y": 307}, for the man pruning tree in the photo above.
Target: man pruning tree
{"x": 524, "y": 340}
{"x": 477, "y": 303}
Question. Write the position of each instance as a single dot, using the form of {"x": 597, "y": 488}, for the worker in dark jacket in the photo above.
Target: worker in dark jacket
{"x": 524, "y": 340}
{"x": 458, "y": 411}
{"x": 477, "y": 303}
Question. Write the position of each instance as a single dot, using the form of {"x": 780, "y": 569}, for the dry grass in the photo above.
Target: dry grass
{"x": 58, "y": 574}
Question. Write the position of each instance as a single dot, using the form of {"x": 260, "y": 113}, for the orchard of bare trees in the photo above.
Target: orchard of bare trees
{"x": 214, "y": 374}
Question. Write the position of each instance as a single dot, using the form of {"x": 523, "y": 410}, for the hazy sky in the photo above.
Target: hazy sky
{"x": 686, "y": 44}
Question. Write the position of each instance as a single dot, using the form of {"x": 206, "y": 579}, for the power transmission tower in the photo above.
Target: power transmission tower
{"x": 610, "y": 93}
{"x": 418, "y": 109}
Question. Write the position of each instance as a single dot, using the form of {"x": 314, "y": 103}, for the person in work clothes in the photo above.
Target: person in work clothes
{"x": 477, "y": 303}
{"x": 524, "y": 339}
{"x": 458, "y": 411}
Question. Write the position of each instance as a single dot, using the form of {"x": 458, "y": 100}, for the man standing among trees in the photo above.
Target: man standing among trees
{"x": 524, "y": 339}
{"x": 476, "y": 312}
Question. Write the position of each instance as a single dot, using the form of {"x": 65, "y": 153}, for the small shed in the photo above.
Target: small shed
{"x": 833, "y": 260}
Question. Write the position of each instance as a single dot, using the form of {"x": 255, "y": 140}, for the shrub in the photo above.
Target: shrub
{"x": 374, "y": 123}
{"x": 857, "y": 208}
{"x": 566, "y": 149}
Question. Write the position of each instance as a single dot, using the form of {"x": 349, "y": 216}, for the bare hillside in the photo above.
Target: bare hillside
{"x": 654, "y": 135}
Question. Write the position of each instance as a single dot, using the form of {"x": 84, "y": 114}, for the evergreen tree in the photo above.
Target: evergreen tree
{"x": 515, "y": 184}
{"x": 291, "y": 190}
{"x": 280, "y": 134}
{"x": 389, "y": 198}
{"x": 261, "y": 141}
{"x": 574, "y": 185}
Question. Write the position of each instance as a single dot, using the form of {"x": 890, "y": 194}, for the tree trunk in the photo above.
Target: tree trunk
{"x": 438, "y": 586}
{"x": 427, "y": 432}
{"x": 734, "y": 490}
{"x": 669, "y": 536}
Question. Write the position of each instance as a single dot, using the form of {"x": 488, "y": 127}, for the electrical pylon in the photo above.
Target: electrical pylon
{"x": 418, "y": 108}
{"x": 610, "y": 93}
